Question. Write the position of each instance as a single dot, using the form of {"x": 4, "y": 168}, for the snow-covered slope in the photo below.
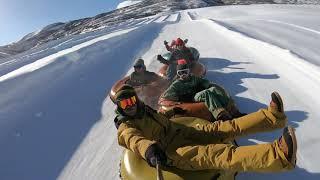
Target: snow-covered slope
{"x": 57, "y": 122}
{"x": 58, "y": 31}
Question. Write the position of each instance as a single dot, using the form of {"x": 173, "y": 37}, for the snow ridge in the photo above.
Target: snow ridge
{"x": 50, "y": 59}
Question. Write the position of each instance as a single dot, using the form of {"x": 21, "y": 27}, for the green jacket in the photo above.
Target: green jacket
{"x": 184, "y": 53}
{"x": 185, "y": 90}
{"x": 146, "y": 77}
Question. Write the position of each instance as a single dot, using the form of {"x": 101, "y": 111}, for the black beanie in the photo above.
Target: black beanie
{"x": 139, "y": 62}
{"x": 125, "y": 91}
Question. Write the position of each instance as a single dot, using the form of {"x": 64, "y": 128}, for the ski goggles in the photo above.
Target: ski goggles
{"x": 125, "y": 103}
{"x": 183, "y": 72}
{"x": 179, "y": 46}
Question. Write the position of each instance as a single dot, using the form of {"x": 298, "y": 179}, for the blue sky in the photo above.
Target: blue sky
{"x": 20, "y": 17}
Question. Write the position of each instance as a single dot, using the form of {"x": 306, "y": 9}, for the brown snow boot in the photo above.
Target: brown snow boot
{"x": 288, "y": 144}
{"x": 276, "y": 102}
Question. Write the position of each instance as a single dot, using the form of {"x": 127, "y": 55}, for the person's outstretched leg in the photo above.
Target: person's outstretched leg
{"x": 216, "y": 101}
{"x": 273, "y": 157}
{"x": 263, "y": 120}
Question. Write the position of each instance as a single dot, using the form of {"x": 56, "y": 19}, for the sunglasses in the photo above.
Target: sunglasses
{"x": 183, "y": 72}
{"x": 125, "y": 103}
{"x": 179, "y": 46}
{"x": 138, "y": 66}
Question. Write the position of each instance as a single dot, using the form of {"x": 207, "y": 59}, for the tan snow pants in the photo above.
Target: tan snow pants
{"x": 217, "y": 155}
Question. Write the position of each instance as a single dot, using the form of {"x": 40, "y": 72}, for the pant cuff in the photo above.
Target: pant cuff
{"x": 217, "y": 111}
{"x": 287, "y": 165}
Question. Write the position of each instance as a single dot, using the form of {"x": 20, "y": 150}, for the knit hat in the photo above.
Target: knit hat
{"x": 182, "y": 64}
{"x": 125, "y": 91}
{"x": 179, "y": 42}
{"x": 139, "y": 62}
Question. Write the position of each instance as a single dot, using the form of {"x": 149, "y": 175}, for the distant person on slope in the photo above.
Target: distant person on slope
{"x": 178, "y": 51}
{"x": 170, "y": 47}
{"x": 155, "y": 138}
{"x": 141, "y": 76}
{"x": 190, "y": 88}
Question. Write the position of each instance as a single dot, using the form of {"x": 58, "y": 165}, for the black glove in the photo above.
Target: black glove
{"x": 119, "y": 119}
{"x": 155, "y": 154}
{"x": 162, "y": 60}
{"x": 159, "y": 57}
{"x": 165, "y": 42}
{"x": 224, "y": 116}
{"x": 179, "y": 110}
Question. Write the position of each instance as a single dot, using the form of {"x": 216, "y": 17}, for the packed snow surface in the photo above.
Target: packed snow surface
{"x": 56, "y": 119}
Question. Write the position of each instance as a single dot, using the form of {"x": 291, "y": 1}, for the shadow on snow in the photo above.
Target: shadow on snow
{"x": 297, "y": 173}
{"x": 232, "y": 83}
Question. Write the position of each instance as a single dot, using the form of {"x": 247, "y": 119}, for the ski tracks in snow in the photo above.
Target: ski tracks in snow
{"x": 161, "y": 19}
{"x": 168, "y": 18}
{"x": 173, "y": 17}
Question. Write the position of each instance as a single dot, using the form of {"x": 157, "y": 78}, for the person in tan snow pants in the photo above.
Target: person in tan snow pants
{"x": 156, "y": 138}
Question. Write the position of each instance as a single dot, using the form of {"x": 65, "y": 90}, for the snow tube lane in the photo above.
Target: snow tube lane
{"x": 66, "y": 98}
{"x": 161, "y": 19}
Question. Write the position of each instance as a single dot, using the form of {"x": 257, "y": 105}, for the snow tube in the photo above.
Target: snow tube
{"x": 133, "y": 167}
{"x": 193, "y": 109}
{"x": 197, "y": 69}
{"x": 148, "y": 93}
